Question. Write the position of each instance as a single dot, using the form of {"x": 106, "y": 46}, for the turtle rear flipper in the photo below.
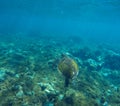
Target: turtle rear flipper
{"x": 67, "y": 81}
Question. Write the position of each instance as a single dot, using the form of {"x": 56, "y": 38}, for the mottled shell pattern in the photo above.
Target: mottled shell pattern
{"x": 68, "y": 67}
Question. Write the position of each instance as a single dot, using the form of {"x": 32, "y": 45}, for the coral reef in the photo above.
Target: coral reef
{"x": 29, "y": 76}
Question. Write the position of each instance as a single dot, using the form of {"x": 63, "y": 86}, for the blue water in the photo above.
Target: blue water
{"x": 87, "y": 31}
{"x": 94, "y": 19}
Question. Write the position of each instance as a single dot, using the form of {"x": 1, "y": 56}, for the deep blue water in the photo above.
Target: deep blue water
{"x": 98, "y": 20}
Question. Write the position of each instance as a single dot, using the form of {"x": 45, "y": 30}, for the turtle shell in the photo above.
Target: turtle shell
{"x": 68, "y": 67}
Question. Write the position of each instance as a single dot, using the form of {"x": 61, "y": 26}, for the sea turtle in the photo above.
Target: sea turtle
{"x": 69, "y": 68}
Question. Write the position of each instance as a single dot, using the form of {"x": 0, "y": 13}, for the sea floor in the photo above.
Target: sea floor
{"x": 29, "y": 75}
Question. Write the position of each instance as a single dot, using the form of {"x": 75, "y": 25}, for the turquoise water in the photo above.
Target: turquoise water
{"x": 91, "y": 18}
{"x": 36, "y": 35}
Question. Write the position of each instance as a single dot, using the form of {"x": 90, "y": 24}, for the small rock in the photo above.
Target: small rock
{"x": 47, "y": 87}
{"x": 60, "y": 97}
{"x": 20, "y": 94}
{"x": 105, "y": 104}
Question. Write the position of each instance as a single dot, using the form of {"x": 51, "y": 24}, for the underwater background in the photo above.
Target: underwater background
{"x": 37, "y": 36}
